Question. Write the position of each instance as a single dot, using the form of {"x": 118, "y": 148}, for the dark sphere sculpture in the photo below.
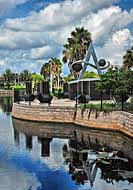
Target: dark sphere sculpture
{"x": 102, "y": 63}
{"x": 77, "y": 67}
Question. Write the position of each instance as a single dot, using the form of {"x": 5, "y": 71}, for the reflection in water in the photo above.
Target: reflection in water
{"x": 28, "y": 142}
{"x": 16, "y": 137}
{"x": 45, "y": 146}
{"x": 89, "y": 154}
{"x": 42, "y": 156}
{"x": 6, "y": 104}
{"x": 84, "y": 163}
{"x": 45, "y": 142}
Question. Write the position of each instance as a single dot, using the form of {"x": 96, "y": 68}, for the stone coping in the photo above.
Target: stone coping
{"x": 116, "y": 121}
{"x": 6, "y": 92}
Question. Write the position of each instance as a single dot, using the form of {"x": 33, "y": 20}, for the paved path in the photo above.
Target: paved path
{"x": 55, "y": 102}
{"x": 62, "y": 102}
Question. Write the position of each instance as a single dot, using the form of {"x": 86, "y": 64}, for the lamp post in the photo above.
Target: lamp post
{"x": 51, "y": 76}
{"x": 77, "y": 67}
{"x": 76, "y": 95}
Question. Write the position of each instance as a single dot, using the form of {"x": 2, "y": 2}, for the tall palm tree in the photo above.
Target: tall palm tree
{"x": 56, "y": 69}
{"x": 128, "y": 59}
{"x": 52, "y": 69}
{"x": 45, "y": 70}
{"x": 26, "y": 75}
{"x": 8, "y": 75}
{"x": 76, "y": 46}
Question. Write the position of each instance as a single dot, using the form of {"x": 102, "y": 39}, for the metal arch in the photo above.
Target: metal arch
{"x": 85, "y": 62}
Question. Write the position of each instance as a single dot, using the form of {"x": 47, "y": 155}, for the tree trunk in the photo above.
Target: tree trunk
{"x": 122, "y": 102}
{"x": 101, "y": 100}
{"x": 58, "y": 81}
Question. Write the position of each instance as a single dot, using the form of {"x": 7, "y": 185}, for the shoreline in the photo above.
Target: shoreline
{"x": 114, "y": 121}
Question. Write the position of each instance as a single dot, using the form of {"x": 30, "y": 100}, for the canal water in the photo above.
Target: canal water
{"x": 46, "y": 156}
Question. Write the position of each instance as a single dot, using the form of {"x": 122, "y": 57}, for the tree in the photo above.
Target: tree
{"x": 76, "y": 46}
{"x": 88, "y": 74}
{"x": 45, "y": 71}
{"x": 56, "y": 69}
{"x": 128, "y": 59}
{"x": 68, "y": 78}
{"x": 52, "y": 68}
{"x": 26, "y": 75}
{"x": 8, "y": 75}
{"x": 37, "y": 77}
{"x": 118, "y": 83}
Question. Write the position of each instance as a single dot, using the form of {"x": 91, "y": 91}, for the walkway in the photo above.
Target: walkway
{"x": 62, "y": 102}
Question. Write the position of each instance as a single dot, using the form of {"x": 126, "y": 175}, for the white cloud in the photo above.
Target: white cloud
{"x": 41, "y": 29}
{"x": 44, "y": 52}
{"x": 106, "y": 21}
{"x": 57, "y": 15}
{"x": 116, "y": 46}
{"x": 42, "y": 34}
{"x": 2, "y": 62}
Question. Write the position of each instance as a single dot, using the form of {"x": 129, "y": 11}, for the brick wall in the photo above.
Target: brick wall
{"x": 6, "y": 92}
{"x": 117, "y": 120}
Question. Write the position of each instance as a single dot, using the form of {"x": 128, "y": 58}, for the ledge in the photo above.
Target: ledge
{"x": 114, "y": 121}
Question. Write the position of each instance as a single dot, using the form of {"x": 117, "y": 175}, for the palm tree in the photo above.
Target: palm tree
{"x": 128, "y": 59}
{"x": 8, "y": 75}
{"x": 26, "y": 75}
{"x": 56, "y": 69}
{"x": 76, "y": 46}
{"x": 45, "y": 71}
{"x": 52, "y": 69}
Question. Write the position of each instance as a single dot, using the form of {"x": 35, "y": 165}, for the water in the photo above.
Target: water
{"x": 42, "y": 156}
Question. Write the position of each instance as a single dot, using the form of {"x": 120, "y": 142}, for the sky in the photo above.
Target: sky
{"x": 33, "y": 31}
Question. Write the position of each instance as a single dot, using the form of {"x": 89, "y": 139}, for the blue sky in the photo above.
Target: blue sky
{"x": 31, "y": 31}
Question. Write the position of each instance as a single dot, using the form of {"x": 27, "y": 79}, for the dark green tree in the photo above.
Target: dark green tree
{"x": 117, "y": 83}
{"x": 45, "y": 70}
{"x": 128, "y": 59}
{"x": 8, "y": 75}
{"x": 76, "y": 46}
{"x": 26, "y": 75}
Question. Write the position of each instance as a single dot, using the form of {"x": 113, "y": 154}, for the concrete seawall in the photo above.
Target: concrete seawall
{"x": 116, "y": 120}
{"x": 6, "y": 92}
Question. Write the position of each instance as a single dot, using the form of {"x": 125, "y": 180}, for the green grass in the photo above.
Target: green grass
{"x": 109, "y": 107}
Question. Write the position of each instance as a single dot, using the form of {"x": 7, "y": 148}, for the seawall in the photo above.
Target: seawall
{"x": 117, "y": 120}
{"x": 6, "y": 92}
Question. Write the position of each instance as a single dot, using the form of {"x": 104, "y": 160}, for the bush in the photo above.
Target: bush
{"x": 18, "y": 87}
{"x": 106, "y": 107}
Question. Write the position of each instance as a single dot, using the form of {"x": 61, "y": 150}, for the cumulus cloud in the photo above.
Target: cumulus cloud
{"x": 2, "y": 62}
{"x": 44, "y": 52}
{"x": 42, "y": 34}
{"x": 57, "y": 15}
{"x": 115, "y": 47}
{"x": 106, "y": 21}
{"x": 34, "y": 31}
